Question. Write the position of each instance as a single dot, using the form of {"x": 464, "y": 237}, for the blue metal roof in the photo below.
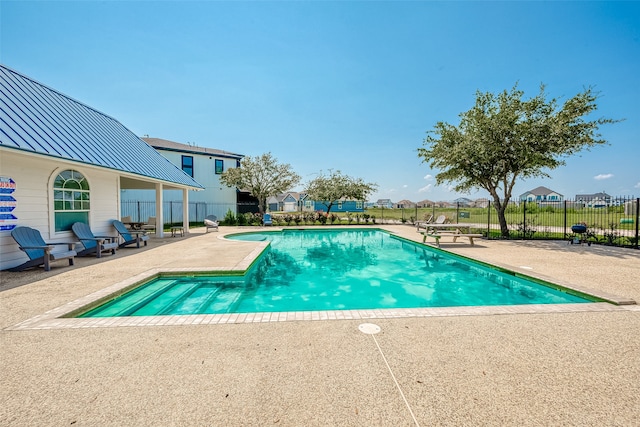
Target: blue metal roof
{"x": 38, "y": 119}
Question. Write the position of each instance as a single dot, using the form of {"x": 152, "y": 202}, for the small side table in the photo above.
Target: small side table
{"x": 176, "y": 230}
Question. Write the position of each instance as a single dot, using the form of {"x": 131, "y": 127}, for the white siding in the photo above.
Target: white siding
{"x": 34, "y": 176}
{"x": 204, "y": 173}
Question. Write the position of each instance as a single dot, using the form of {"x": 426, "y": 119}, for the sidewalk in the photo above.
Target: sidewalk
{"x": 515, "y": 369}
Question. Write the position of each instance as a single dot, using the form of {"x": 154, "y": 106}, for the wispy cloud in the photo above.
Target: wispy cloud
{"x": 405, "y": 186}
{"x": 425, "y": 189}
{"x": 603, "y": 176}
{"x": 428, "y": 177}
{"x": 637, "y": 185}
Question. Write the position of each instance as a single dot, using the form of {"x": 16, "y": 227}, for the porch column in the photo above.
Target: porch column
{"x": 185, "y": 210}
{"x": 159, "y": 211}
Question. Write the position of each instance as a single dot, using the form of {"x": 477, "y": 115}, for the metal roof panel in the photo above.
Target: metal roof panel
{"x": 39, "y": 119}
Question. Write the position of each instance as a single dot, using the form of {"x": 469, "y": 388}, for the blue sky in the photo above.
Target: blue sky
{"x": 350, "y": 86}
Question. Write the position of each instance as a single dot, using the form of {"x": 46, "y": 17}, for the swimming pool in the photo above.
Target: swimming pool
{"x": 303, "y": 270}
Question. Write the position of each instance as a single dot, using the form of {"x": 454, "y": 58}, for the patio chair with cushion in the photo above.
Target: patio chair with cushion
{"x": 266, "y": 219}
{"x": 130, "y": 236}
{"x": 150, "y": 226}
{"x": 39, "y": 252}
{"x": 93, "y": 244}
{"x": 211, "y": 221}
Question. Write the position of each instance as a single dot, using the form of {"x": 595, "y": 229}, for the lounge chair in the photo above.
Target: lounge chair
{"x": 126, "y": 220}
{"x": 93, "y": 244}
{"x": 130, "y": 236}
{"x": 39, "y": 252}
{"x": 425, "y": 224}
{"x": 211, "y": 221}
{"x": 150, "y": 225}
{"x": 440, "y": 220}
{"x": 266, "y": 219}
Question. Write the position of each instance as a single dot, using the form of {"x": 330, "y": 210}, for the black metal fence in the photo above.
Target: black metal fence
{"x": 172, "y": 211}
{"x": 612, "y": 222}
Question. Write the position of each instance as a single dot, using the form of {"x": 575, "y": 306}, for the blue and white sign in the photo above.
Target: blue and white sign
{"x": 8, "y": 221}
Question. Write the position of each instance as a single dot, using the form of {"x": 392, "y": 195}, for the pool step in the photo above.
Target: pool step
{"x": 164, "y": 303}
{"x": 135, "y": 299}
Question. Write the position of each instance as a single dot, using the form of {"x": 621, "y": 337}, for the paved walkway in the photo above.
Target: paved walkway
{"x": 538, "y": 368}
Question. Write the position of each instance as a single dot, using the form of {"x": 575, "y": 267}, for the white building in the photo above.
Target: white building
{"x": 62, "y": 161}
{"x": 205, "y": 165}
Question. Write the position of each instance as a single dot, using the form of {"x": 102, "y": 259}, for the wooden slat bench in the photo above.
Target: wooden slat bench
{"x": 438, "y": 236}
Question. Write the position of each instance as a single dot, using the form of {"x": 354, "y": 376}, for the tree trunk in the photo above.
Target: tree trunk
{"x": 501, "y": 207}
{"x": 504, "y": 230}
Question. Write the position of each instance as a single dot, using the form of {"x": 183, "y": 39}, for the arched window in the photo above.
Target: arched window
{"x": 70, "y": 199}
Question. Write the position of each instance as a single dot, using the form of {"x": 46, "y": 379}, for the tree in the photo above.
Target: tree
{"x": 503, "y": 138}
{"x": 330, "y": 189}
{"x": 262, "y": 176}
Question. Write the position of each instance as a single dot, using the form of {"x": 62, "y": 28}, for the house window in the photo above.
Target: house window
{"x": 219, "y": 166}
{"x": 187, "y": 165}
{"x": 358, "y": 205}
{"x": 307, "y": 204}
{"x": 71, "y": 201}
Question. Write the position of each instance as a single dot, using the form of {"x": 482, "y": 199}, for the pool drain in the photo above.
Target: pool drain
{"x": 369, "y": 328}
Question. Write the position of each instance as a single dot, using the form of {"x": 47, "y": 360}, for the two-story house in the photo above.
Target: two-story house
{"x": 203, "y": 164}
{"x": 541, "y": 195}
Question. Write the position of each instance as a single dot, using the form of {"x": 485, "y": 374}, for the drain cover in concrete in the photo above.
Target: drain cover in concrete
{"x": 369, "y": 328}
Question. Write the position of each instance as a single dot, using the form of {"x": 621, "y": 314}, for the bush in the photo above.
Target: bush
{"x": 230, "y": 218}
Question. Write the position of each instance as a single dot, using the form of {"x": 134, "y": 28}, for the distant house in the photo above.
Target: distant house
{"x": 463, "y": 202}
{"x": 285, "y": 202}
{"x": 481, "y": 202}
{"x": 292, "y": 201}
{"x": 62, "y": 161}
{"x": 596, "y": 200}
{"x": 384, "y": 203}
{"x": 341, "y": 206}
{"x": 424, "y": 203}
{"x": 443, "y": 204}
{"x": 405, "y": 204}
{"x": 203, "y": 164}
{"x": 541, "y": 195}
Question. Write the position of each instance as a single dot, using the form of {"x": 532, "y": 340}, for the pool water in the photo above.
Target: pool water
{"x": 304, "y": 270}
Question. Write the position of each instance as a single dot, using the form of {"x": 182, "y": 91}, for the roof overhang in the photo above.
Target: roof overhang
{"x": 128, "y": 180}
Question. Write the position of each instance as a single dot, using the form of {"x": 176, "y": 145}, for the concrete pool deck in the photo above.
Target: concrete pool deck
{"x": 537, "y": 368}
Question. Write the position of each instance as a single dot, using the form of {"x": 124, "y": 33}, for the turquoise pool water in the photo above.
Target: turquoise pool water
{"x": 335, "y": 270}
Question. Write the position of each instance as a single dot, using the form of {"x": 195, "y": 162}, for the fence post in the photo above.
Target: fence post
{"x": 457, "y": 212}
{"x": 565, "y": 219}
{"x": 138, "y": 203}
{"x": 637, "y": 217}
{"x": 488, "y": 219}
{"x": 524, "y": 220}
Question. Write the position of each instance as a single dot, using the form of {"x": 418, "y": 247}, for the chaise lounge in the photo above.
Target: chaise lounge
{"x": 39, "y": 252}
{"x": 211, "y": 221}
{"x": 93, "y": 244}
{"x": 130, "y": 237}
